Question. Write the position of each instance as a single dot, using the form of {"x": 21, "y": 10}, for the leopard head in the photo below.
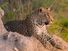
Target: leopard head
{"x": 41, "y": 16}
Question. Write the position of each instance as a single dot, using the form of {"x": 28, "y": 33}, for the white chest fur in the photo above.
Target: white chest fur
{"x": 40, "y": 29}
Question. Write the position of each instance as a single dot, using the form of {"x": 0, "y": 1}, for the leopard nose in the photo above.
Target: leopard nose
{"x": 47, "y": 22}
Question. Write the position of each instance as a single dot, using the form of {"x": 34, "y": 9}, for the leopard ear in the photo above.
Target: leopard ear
{"x": 40, "y": 9}
{"x": 49, "y": 9}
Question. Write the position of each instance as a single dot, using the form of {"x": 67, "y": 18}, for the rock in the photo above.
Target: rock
{"x": 61, "y": 43}
{"x": 17, "y": 42}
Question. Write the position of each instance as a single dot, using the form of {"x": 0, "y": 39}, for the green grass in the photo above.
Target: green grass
{"x": 60, "y": 28}
{"x": 9, "y": 16}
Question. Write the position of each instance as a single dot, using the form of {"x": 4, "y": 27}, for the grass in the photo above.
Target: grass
{"x": 9, "y": 16}
{"x": 60, "y": 28}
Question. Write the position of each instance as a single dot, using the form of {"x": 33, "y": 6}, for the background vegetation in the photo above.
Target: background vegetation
{"x": 19, "y": 9}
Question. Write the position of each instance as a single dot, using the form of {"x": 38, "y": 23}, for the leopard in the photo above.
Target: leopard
{"x": 34, "y": 25}
{"x": 38, "y": 16}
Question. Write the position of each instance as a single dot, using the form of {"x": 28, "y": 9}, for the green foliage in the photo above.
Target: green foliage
{"x": 64, "y": 22}
{"x": 9, "y": 16}
{"x": 65, "y": 36}
{"x": 60, "y": 27}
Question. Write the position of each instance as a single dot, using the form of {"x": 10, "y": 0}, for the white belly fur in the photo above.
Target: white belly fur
{"x": 40, "y": 29}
